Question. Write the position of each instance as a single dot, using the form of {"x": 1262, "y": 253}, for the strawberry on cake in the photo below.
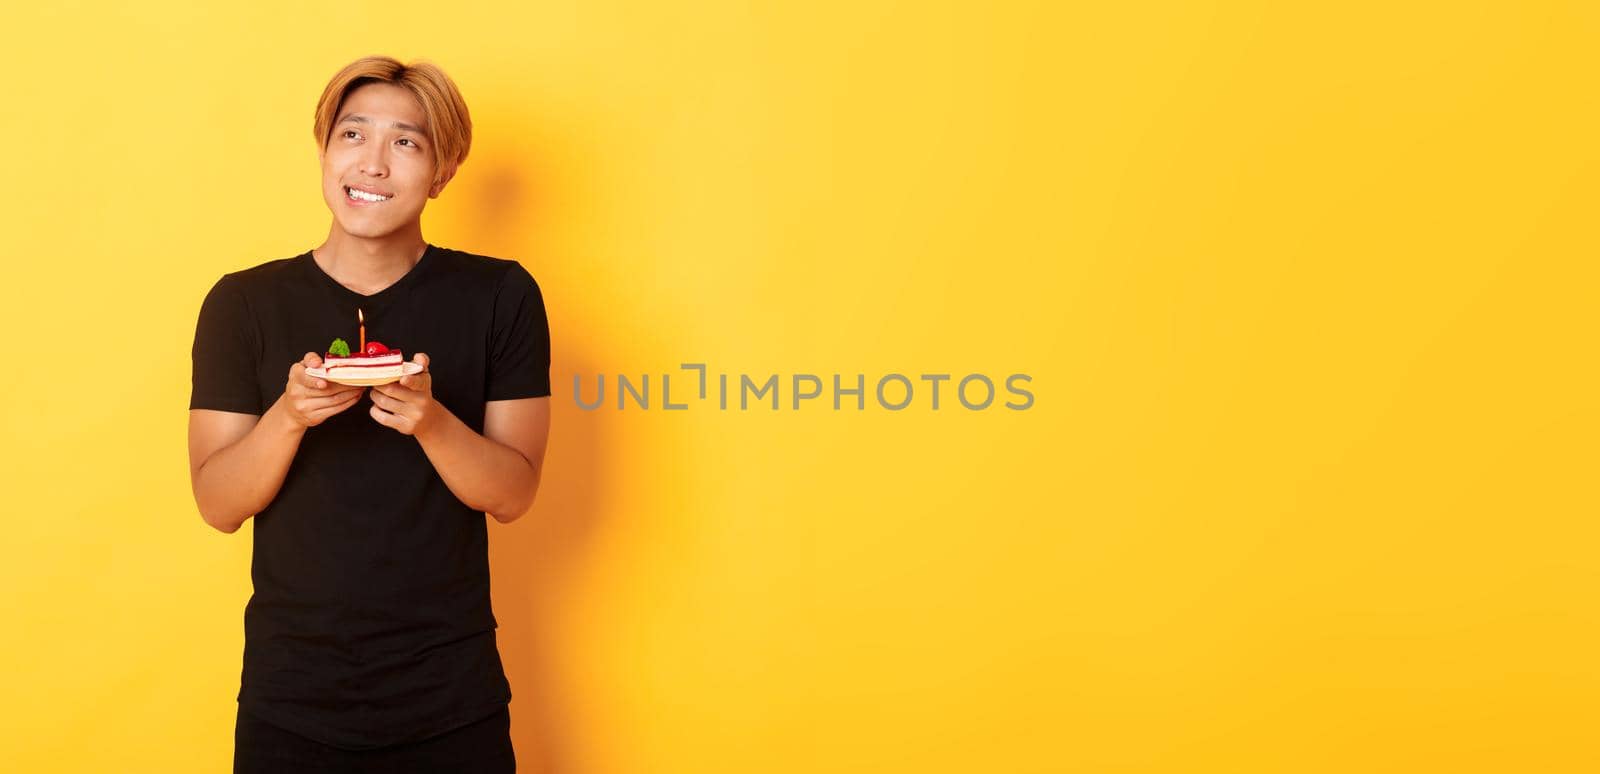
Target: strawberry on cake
{"x": 376, "y": 361}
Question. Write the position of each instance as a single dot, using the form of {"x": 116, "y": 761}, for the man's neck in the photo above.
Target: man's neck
{"x": 367, "y": 266}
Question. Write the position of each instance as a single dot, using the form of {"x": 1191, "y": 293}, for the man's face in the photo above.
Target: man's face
{"x": 379, "y": 147}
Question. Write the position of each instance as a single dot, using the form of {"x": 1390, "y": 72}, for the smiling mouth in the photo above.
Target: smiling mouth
{"x": 362, "y": 196}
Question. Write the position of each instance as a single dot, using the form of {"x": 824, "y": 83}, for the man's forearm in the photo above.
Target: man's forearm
{"x": 240, "y": 480}
{"x": 485, "y": 474}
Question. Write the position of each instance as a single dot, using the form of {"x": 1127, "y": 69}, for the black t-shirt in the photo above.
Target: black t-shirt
{"x": 370, "y": 623}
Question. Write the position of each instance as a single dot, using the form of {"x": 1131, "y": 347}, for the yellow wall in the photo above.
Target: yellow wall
{"x": 1308, "y": 299}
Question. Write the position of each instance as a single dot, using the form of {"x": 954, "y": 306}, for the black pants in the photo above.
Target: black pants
{"x": 482, "y": 747}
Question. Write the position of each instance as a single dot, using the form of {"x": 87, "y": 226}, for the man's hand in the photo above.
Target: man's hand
{"x": 408, "y": 405}
{"x": 308, "y": 400}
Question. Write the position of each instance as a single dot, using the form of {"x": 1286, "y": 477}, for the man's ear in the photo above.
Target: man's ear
{"x": 442, "y": 180}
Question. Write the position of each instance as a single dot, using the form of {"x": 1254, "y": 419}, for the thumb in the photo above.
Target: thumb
{"x": 311, "y": 360}
{"x": 421, "y": 359}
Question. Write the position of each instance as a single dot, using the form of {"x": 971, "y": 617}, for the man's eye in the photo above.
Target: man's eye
{"x": 349, "y": 132}
{"x": 406, "y": 139}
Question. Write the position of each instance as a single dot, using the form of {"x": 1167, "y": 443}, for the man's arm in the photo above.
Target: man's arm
{"x": 497, "y": 472}
{"x": 237, "y": 462}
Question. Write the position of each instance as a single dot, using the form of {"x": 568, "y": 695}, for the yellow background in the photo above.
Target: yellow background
{"x": 1307, "y": 296}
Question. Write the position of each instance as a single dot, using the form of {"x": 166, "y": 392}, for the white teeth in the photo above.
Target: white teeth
{"x": 364, "y": 196}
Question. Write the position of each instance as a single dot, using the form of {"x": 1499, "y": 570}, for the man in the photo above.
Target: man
{"x": 369, "y": 639}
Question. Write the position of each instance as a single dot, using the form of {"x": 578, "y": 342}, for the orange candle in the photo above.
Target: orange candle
{"x": 360, "y": 318}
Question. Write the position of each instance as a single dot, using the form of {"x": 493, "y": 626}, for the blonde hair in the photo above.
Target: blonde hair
{"x": 449, "y": 125}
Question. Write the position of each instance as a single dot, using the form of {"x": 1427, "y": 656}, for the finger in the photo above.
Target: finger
{"x": 318, "y": 403}
{"x": 383, "y": 417}
{"x": 343, "y": 402}
{"x": 298, "y": 374}
{"x": 311, "y": 360}
{"x": 323, "y": 386}
{"x": 334, "y": 396}
{"x": 420, "y": 382}
{"x": 298, "y": 377}
{"x": 321, "y": 415}
{"x": 355, "y": 397}
{"x": 396, "y": 421}
{"x": 389, "y": 404}
{"x": 395, "y": 390}
{"x": 421, "y": 358}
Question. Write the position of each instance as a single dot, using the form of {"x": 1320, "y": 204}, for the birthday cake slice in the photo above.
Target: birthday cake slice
{"x": 376, "y": 361}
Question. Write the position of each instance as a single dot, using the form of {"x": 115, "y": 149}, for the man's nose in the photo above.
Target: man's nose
{"x": 374, "y": 162}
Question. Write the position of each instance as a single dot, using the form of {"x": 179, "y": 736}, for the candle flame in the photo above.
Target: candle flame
{"x": 359, "y": 317}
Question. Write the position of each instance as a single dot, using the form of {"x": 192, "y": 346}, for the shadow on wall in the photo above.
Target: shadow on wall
{"x": 536, "y": 560}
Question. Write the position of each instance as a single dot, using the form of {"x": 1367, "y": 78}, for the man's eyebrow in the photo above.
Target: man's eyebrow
{"x": 361, "y": 119}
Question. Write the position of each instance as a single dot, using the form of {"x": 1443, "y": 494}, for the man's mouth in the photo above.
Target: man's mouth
{"x": 356, "y": 194}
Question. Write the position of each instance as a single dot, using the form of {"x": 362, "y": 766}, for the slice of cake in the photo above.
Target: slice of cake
{"x": 376, "y": 361}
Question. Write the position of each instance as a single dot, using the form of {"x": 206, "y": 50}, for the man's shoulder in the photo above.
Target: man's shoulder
{"x": 266, "y": 271}
{"x": 484, "y": 267}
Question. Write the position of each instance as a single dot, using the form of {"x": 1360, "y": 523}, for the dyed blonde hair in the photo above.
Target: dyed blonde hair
{"x": 449, "y": 125}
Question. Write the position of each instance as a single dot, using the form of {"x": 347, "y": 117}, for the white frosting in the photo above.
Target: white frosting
{"x": 389, "y": 359}
{"x": 371, "y": 372}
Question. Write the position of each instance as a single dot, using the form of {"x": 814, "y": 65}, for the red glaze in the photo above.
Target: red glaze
{"x": 386, "y": 351}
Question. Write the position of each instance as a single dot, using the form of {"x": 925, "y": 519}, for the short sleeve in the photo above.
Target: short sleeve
{"x": 224, "y": 353}
{"x": 519, "y": 343}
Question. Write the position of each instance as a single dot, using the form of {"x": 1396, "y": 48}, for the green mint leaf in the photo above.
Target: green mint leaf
{"x": 339, "y": 347}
